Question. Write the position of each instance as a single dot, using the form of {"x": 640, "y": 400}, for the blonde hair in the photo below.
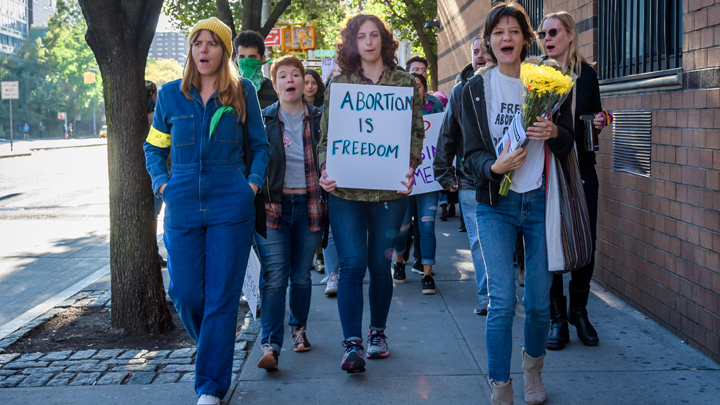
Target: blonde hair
{"x": 575, "y": 59}
{"x": 227, "y": 85}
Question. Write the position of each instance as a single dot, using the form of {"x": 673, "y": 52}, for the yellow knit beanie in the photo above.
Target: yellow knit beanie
{"x": 218, "y": 27}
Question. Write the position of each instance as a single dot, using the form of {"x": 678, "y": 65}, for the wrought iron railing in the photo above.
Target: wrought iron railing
{"x": 638, "y": 36}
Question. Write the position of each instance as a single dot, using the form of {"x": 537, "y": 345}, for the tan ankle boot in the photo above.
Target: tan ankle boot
{"x": 502, "y": 394}
{"x": 534, "y": 389}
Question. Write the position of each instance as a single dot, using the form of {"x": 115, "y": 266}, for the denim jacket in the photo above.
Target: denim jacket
{"x": 182, "y": 125}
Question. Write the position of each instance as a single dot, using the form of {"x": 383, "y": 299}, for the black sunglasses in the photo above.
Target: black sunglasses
{"x": 551, "y": 33}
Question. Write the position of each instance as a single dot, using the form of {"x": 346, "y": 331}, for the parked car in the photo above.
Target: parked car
{"x": 103, "y": 132}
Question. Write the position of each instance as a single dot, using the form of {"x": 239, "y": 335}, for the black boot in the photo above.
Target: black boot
{"x": 579, "y": 319}
{"x": 559, "y": 333}
{"x": 444, "y": 212}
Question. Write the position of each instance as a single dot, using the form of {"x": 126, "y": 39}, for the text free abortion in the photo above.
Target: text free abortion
{"x": 370, "y": 102}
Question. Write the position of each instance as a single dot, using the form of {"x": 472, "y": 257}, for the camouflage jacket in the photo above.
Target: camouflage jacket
{"x": 417, "y": 133}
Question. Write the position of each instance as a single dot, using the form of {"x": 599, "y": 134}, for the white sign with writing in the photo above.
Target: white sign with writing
{"x": 252, "y": 282}
{"x": 10, "y": 91}
{"x": 369, "y": 136}
{"x": 424, "y": 175}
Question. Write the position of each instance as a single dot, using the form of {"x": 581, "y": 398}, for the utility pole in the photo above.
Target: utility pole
{"x": 264, "y": 15}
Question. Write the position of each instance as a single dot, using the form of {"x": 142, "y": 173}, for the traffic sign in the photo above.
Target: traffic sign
{"x": 312, "y": 63}
{"x": 61, "y": 115}
{"x": 274, "y": 37}
{"x": 10, "y": 91}
{"x": 89, "y": 77}
{"x": 325, "y": 53}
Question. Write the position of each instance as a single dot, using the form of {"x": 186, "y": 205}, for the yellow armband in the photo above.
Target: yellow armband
{"x": 157, "y": 138}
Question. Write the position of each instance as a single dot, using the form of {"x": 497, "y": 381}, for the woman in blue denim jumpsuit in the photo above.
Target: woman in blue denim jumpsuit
{"x": 209, "y": 214}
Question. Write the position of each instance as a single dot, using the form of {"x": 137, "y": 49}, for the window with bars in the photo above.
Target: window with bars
{"x": 534, "y": 9}
{"x": 638, "y": 37}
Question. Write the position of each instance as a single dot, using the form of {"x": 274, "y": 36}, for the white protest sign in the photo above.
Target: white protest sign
{"x": 369, "y": 134}
{"x": 515, "y": 133}
{"x": 252, "y": 282}
{"x": 424, "y": 174}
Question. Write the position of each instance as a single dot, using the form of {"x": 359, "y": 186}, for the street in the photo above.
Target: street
{"x": 53, "y": 206}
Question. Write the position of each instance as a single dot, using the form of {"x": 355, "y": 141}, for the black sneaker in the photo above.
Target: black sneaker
{"x": 163, "y": 262}
{"x": 451, "y": 210}
{"x": 462, "y": 226}
{"x": 428, "y": 285}
{"x": 354, "y": 359}
{"x": 399, "y": 272}
{"x": 417, "y": 267}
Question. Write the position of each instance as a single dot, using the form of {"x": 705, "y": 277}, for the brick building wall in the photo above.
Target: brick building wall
{"x": 658, "y": 237}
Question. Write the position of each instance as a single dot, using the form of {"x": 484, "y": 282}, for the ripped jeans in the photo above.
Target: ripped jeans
{"x": 426, "y": 209}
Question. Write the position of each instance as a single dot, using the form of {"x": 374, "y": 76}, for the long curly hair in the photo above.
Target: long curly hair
{"x": 348, "y": 57}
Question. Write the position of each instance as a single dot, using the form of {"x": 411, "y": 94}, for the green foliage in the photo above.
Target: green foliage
{"x": 162, "y": 71}
{"x": 183, "y": 14}
{"x": 50, "y": 72}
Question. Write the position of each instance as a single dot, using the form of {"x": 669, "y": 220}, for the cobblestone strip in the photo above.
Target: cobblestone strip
{"x": 109, "y": 366}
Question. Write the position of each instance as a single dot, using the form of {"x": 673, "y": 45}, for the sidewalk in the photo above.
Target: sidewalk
{"x": 23, "y": 147}
{"x": 439, "y": 356}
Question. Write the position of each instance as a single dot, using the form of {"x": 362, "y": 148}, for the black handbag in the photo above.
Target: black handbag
{"x": 260, "y": 225}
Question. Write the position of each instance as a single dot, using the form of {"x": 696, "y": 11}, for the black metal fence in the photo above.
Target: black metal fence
{"x": 639, "y": 36}
{"x": 534, "y": 9}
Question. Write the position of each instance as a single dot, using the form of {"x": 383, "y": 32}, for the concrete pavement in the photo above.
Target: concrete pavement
{"x": 25, "y": 147}
{"x": 439, "y": 356}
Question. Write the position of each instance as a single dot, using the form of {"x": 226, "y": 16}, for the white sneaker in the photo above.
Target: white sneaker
{"x": 325, "y": 279}
{"x": 208, "y": 400}
{"x": 332, "y": 284}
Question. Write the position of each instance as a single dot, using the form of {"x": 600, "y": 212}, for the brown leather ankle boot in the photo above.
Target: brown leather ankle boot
{"x": 534, "y": 389}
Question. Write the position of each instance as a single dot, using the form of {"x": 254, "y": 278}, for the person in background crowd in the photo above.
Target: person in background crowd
{"x": 508, "y": 32}
{"x": 314, "y": 91}
{"x": 440, "y": 95}
{"x": 250, "y": 56}
{"x": 457, "y": 178}
{"x": 425, "y": 207}
{"x": 208, "y": 230}
{"x": 558, "y": 39}
{"x": 41, "y": 129}
{"x": 151, "y": 93}
{"x": 65, "y": 131}
{"x": 26, "y": 131}
{"x": 295, "y": 210}
{"x": 365, "y": 222}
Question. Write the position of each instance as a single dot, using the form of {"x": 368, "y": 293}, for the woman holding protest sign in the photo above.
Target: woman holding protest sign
{"x": 425, "y": 207}
{"x": 558, "y": 40}
{"x": 365, "y": 222}
{"x": 295, "y": 210}
{"x": 208, "y": 229}
{"x": 490, "y": 102}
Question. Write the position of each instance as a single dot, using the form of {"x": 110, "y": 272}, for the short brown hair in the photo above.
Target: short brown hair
{"x": 288, "y": 60}
{"x": 348, "y": 56}
{"x": 508, "y": 9}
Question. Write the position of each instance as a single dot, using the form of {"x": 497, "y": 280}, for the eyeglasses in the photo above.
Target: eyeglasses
{"x": 418, "y": 70}
{"x": 550, "y": 33}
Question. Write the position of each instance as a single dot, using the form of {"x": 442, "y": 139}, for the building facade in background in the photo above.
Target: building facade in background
{"x": 658, "y": 61}
{"x": 15, "y": 16}
{"x": 169, "y": 45}
{"x": 40, "y": 12}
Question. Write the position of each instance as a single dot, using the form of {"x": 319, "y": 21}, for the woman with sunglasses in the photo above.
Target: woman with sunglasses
{"x": 558, "y": 40}
{"x": 490, "y": 100}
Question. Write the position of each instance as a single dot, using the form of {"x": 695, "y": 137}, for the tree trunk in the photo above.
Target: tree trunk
{"x": 419, "y": 26}
{"x": 226, "y": 15}
{"x": 249, "y": 15}
{"x": 119, "y": 33}
{"x": 274, "y": 15}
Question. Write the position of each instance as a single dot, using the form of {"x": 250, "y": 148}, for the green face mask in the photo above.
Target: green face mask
{"x": 251, "y": 69}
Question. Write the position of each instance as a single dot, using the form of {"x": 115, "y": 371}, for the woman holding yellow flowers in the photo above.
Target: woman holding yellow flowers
{"x": 490, "y": 101}
{"x": 557, "y": 39}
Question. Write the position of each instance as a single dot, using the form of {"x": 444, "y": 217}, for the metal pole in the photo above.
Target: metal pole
{"x": 11, "y": 127}
{"x": 94, "y": 131}
{"x": 264, "y": 15}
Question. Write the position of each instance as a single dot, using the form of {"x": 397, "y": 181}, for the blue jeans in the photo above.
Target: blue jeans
{"x": 330, "y": 254}
{"x": 287, "y": 253}
{"x": 364, "y": 236}
{"x": 443, "y": 199}
{"x": 498, "y": 227}
{"x": 426, "y": 208}
{"x": 208, "y": 234}
{"x": 468, "y": 207}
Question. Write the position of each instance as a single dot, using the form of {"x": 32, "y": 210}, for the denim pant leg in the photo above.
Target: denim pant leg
{"x": 427, "y": 208}
{"x": 349, "y": 224}
{"x": 227, "y": 248}
{"x": 498, "y": 230}
{"x": 385, "y": 219}
{"x": 442, "y": 199}
{"x": 304, "y": 245}
{"x": 275, "y": 256}
{"x": 469, "y": 206}
{"x": 538, "y": 279}
{"x": 332, "y": 261}
{"x": 402, "y": 238}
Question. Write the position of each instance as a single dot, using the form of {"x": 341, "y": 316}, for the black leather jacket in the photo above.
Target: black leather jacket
{"x": 450, "y": 140}
{"x": 273, "y": 188}
{"x": 478, "y": 149}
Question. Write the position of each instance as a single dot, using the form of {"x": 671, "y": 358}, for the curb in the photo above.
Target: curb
{"x": 16, "y": 155}
{"x": 21, "y": 154}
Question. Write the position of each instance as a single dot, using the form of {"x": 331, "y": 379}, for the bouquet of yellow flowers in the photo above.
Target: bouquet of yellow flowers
{"x": 546, "y": 88}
